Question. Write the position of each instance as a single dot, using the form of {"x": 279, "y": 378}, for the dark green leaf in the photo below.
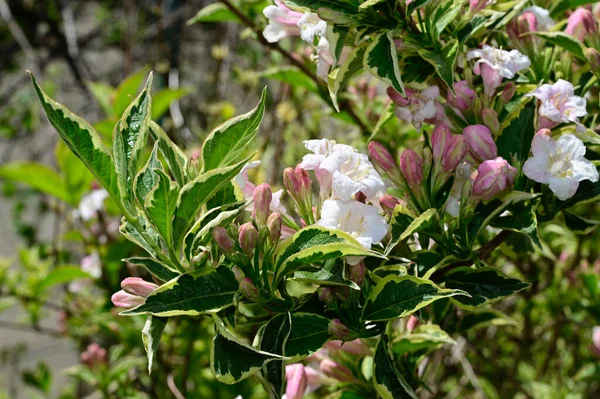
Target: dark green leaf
{"x": 160, "y": 205}
{"x": 157, "y": 269}
{"x": 176, "y": 159}
{"x": 517, "y": 132}
{"x": 381, "y": 60}
{"x": 273, "y": 339}
{"x": 389, "y": 383}
{"x": 443, "y": 61}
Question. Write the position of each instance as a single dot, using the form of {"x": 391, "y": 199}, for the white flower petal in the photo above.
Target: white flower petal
{"x": 563, "y": 187}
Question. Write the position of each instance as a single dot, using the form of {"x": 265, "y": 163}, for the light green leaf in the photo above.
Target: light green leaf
{"x": 388, "y": 382}
{"x": 286, "y": 74}
{"x": 151, "y": 334}
{"x": 147, "y": 178}
{"x": 175, "y": 158}
{"x": 127, "y": 91}
{"x": 484, "y": 285}
{"x": 206, "y": 292}
{"x": 157, "y": 269}
{"x": 565, "y": 41}
{"x": 160, "y": 205}
{"x": 339, "y": 78}
{"x": 389, "y": 270}
{"x": 62, "y": 275}
{"x": 226, "y": 142}
{"x": 82, "y": 140}
{"x": 216, "y": 12}
{"x": 395, "y": 297}
{"x": 477, "y": 318}
{"x": 427, "y": 336}
{"x": 402, "y": 225}
{"x": 332, "y": 273}
{"x": 162, "y": 99}
{"x": 315, "y": 244}
{"x": 381, "y": 60}
{"x": 104, "y": 95}
{"x": 444, "y": 62}
{"x": 335, "y": 37}
{"x": 130, "y": 232}
{"x": 39, "y": 177}
{"x": 130, "y": 137}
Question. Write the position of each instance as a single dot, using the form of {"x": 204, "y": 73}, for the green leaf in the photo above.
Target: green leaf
{"x": 130, "y": 137}
{"x": 39, "y": 177}
{"x": 388, "y": 382}
{"x": 81, "y": 138}
{"x": 336, "y": 35}
{"x": 62, "y": 275}
{"x": 315, "y": 244}
{"x": 415, "y": 4}
{"x": 175, "y": 158}
{"x": 127, "y": 91}
{"x": 522, "y": 220}
{"x": 151, "y": 334}
{"x": 226, "y": 142}
{"x": 147, "y": 178}
{"x": 389, "y": 270}
{"x": 484, "y": 285}
{"x": 349, "y": 7}
{"x": 403, "y": 226}
{"x": 287, "y": 74}
{"x": 104, "y": 95}
{"x": 565, "y": 41}
{"x": 216, "y": 12}
{"x": 162, "y": 99}
{"x": 443, "y": 61}
{"x": 427, "y": 336}
{"x": 160, "y": 205}
{"x": 206, "y": 292}
{"x": 330, "y": 274}
{"x": 196, "y": 193}
{"x": 394, "y": 297}
{"x": 232, "y": 361}
{"x": 129, "y": 231}
{"x": 273, "y": 339}
{"x": 308, "y": 334}
{"x": 339, "y": 78}
{"x": 580, "y": 225}
{"x": 370, "y": 3}
{"x": 559, "y": 7}
{"x": 381, "y": 60}
{"x": 157, "y": 269}
{"x": 477, "y": 318}
{"x": 516, "y": 132}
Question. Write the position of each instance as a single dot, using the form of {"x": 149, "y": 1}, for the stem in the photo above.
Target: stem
{"x": 343, "y": 105}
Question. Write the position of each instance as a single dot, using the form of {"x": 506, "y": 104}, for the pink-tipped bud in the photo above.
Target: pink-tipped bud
{"x": 508, "y": 92}
{"x": 296, "y": 381}
{"x": 477, "y": 5}
{"x": 494, "y": 176}
{"x": 274, "y": 224}
{"x": 335, "y": 370}
{"x": 124, "y": 299}
{"x": 357, "y": 273}
{"x": 411, "y": 166}
{"x": 463, "y": 96}
{"x": 481, "y": 143}
{"x": 262, "y": 203}
{"x": 411, "y": 323}
{"x": 581, "y": 23}
{"x": 355, "y": 347}
{"x": 94, "y": 356}
{"x": 326, "y": 295}
{"x": 292, "y": 181}
{"x": 593, "y": 57}
{"x": 491, "y": 79}
{"x": 519, "y": 28}
{"x": 455, "y": 153}
{"x": 305, "y": 182}
{"x": 398, "y": 98}
{"x": 238, "y": 273}
{"x": 222, "y": 239}
{"x": 490, "y": 118}
{"x": 338, "y": 329}
{"x": 440, "y": 139}
{"x": 388, "y": 203}
{"x": 248, "y": 237}
{"x": 249, "y": 290}
{"x": 138, "y": 286}
{"x": 382, "y": 157}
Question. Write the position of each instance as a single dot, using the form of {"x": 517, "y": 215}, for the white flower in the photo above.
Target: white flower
{"x": 248, "y": 187}
{"x": 559, "y": 103}
{"x": 283, "y": 22}
{"x": 542, "y": 17}
{"x": 92, "y": 203}
{"x": 310, "y": 26}
{"x": 463, "y": 174}
{"x": 560, "y": 164}
{"x": 417, "y": 107}
{"x": 361, "y": 221}
{"x": 92, "y": 265}
{"x": 506, "y": 63}
{"x": 342, "y": 169}
{"x": 324, "y": 58}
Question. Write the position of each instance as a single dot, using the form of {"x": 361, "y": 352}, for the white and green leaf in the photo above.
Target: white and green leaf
{"x": 381, "y": 60}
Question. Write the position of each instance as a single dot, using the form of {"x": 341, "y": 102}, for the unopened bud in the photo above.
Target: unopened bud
{"x": 462, "y": 97}
{"x": 124, "y": 299}
{"x": 481, "y": 143}
{"x": 326, "y": 295}
{"x": 357, "y": 273}
{"x": 411, "y": 166}
{"x": 493, "y": 177}
{"x": 94, "y": 356}
{"x": 398, "y": 98}
{"x": 338, "y": 329}
{"x": 382, "y": 158}
{"x": 238, "y": 273}
{"x": 388, "y": 203}
{"x": 455, "y": 153}
{"x": 508, "y": 92}
{"x": 249, "y": 290}
{"x": 296, "y": 381}
{"x": 262, "y": 203}
{"x": 490, "y": 118}
{"x": 292, "y": 181}
{"x": 305, "y": 182}
{"x": 274, "y": 223}
{"x": 138, "y": 286}
{"x": 593, "y": 57}
{"x": 477, "y": 5}
{"x": 222, "y": 239}
{"x": 335, "y": 370}
{"x": 440, "y": 138}
{"x": 581, "y": 24}
{"x": 248, "y": 237}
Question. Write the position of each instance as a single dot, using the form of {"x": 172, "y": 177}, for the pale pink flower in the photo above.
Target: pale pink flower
{"x": 283, "y": 22}
{"x": 559, "y": 104}
{"x": 417, "y": 107}
{"x": 494, "y": 176}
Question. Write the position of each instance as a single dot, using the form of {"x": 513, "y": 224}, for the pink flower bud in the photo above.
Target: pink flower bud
{"x": 491, "y": 79}
{"x": 412, "y": 323}
{"x": 292, "y": 181}
{"x": 477, "y": 5}
{"x": 581, "y": 23}
{"x": 490, "y": 118}
{"x": 596, "y": 341}
{"x": 249, "y": 290}
{"x": 296, "y": 381}
{"x": 411, "y": 166}
{"x": 493, "y": 177}
{"x": 463, "y": 96}
{"x": 94, "y": 356}
{"x": 355, "y": 347}
{"x": 124, "y": 299}
{"x": 381, "y": 157}
{"x": 338, "y": 329}
{"x": 274, "y": 224}
{"x": 138, "y": 286}
{"x": 305, "y": 182}
{"x": 481, "y": 143}
{"x": 326, "y": 295}
{"x": 238, "y": 273}
{"x": 440, "y": 139}
{"x": 519, "y": 28}
{"x": 593, "y": 57}
{"x": 222, "y": 239}
{"x": 336, "y": 370}
{"x": 508, "y": 92}
{"x": 262, "y": 203}
{"x": 357, "y": 273}
{"x": 248, "y": 237}
{"x": 398, "y": 98}
{"x": 388, "y": 203}
{"x": 455, "y": 153}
